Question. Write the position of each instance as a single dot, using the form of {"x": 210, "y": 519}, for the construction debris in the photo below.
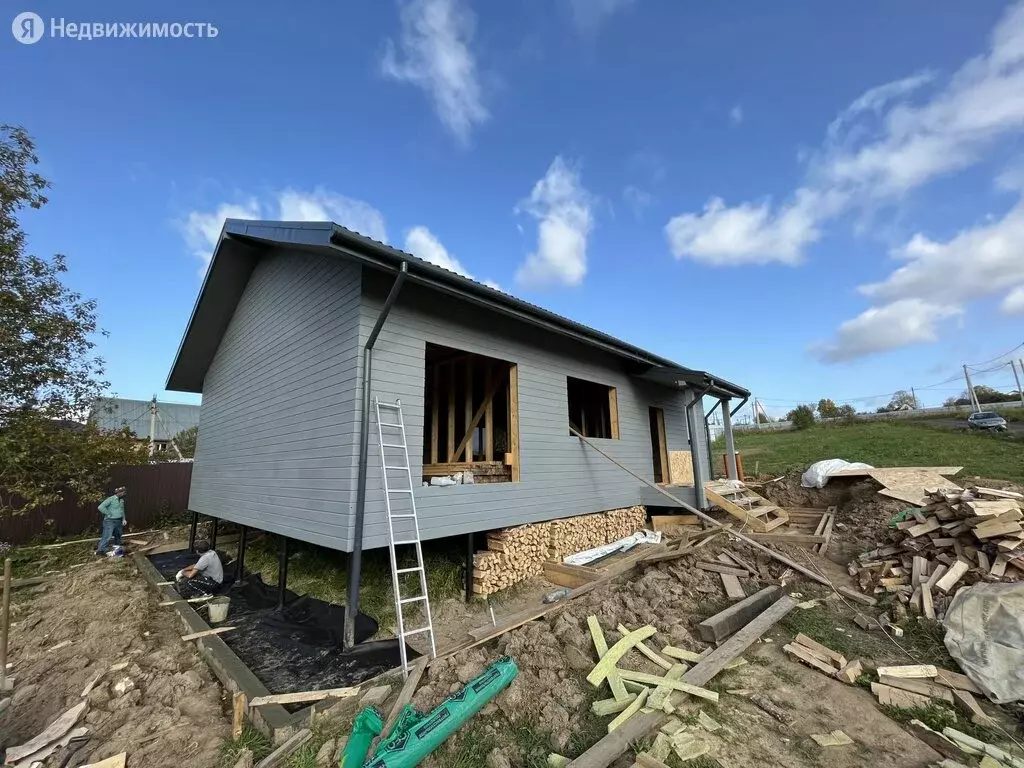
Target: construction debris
{"x": 823, "y": 659}
{"x": 953, "y": 537}
{"x": 832, "y": 739}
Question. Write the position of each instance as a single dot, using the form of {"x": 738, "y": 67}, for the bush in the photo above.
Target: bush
{"x": 802, "y": 416}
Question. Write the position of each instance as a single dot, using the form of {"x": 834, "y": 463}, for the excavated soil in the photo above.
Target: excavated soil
{"x": 552, "y": 696}
{"x": 164, "y": 708}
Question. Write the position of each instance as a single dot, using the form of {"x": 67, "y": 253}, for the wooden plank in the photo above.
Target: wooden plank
{"x": 489, "y": 416}
{"x": 601, "y": 646}
{"x": 894, "y": 697}
{"x": 957, "y": 681}
{"x": 451, "y": 412}
{"x": 722, "y": 568}
{"x": 919, "y": 686}
{"x": 728, "y": 555}
{"x": 662, "y": 693}
{"x": 999, "y": 494}
{"x": 435, "y": 407}
{"x": 724, "y": 623}
{"x": 568, "y": 575}
{"x": 207, "y": 633}
{"x": 278, "y": 756}
{"x": 466, "y": 444}
{"x": 239, "y": 706}
{"x": 675, "y": 685}
{"x": 629, "y": 711}
{"x": 513, "y": 411}
{"x": 856, "y": 596}
{"x": 967, "y": 704}
{"x": 716, "y": 661}
{"x": 406, "y": 694}
{"x": 938, "y": 742}
{"x": 605, "y": 751}
{"x": 733, "y": 588}
{"x": 616, "y": 652}
{"x": 991, "y": 509}
{"x": 646, "y": 651}
{"x": 822, "y": 650}
{"x": 666, "y": 467}
{"x": 935, "y": 575}
{"x": 613, "y": 411}
{"x": 303, "y": 696}
{"x": 613, "y": 706}
{"x": 473, "y": 419}
{"x": 827, "y": 533}
{"x": 909, "y": 670}
{"x": 952, "y": 576}
{"x": 927, "y": 605}
{"x": 932, "y": 524}
{"x": 996, "y": 528}
{"x": 117, "y": 761}
{"x": 811, "y": 659}
{"x": 796, "y": 539}
{"x": 50, "y": 734}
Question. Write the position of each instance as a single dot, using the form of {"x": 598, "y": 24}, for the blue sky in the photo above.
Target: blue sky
{"x": 808, "y": 201}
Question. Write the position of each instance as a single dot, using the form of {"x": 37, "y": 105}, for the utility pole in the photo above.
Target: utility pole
{"x": 152, "y": 425}
{"x": 970, "y": 390}
{"x": 913, "y": 394}
{"x": 1017, "y": 378}
{"x": 753, "y": 410}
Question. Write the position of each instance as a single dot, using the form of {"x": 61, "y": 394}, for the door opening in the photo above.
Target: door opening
{"x": 659, "y": 447}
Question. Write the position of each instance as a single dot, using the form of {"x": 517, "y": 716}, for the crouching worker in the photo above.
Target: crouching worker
{"x": 203, "y": 578}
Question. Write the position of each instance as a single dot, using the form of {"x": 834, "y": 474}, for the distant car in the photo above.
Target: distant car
{"x": 987, "y": 420}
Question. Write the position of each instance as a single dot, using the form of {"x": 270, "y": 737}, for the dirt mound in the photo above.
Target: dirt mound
{"x": 163, "y": 707}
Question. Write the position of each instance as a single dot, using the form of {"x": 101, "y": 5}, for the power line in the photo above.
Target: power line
{"x": 997, "y": 357}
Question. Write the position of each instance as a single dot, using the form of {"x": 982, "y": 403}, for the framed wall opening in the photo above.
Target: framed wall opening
{"x": 593, "y": 408}
{"x": 659, "y": 445}
{"x": 471, "y": 416}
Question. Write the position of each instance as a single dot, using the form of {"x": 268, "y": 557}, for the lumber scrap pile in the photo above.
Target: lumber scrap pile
{"x": 516, "y": 554}
{"x": 955, "y": 538}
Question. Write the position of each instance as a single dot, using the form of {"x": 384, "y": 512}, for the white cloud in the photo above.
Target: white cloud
{"x": 1013, "y": 303}
{"x": 879, "y": 148}
{"x": 420, "y": 241}
{"x": 880, "y": 329}
{"x": 745, "y": 234}
{"x": 435, "y": 55}
{"x": 736, "y": 114}
{"x": 637, "y": 199}
{"x": 563, "y": 208}
{"x": 588, "y": 15}
{"x": 201, "y": 229}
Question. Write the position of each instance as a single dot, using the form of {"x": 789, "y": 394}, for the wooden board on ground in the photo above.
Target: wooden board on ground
{"x": 117, "y": 761}
{"x": 733, "y": 588}
{"x": 50, "y": 734}
{"x": 668, "y": 522}
{"x": 680, "y": 468}
{"x": 207, "y": 633}
{"x": 304, "y": 696}
{"x": 924, "y": 687}
{"x": 721, "y": 625}
{"x": 571, "y": 576}
{"x": 794, "y": 539}
{"x": 406, "y": 694}
{"x": 756, "y": 512}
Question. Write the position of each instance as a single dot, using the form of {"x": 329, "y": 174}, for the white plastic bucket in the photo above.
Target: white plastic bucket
{"x": 218, "y": 609}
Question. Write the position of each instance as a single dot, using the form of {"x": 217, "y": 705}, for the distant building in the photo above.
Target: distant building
{"x": 115, "y": 413}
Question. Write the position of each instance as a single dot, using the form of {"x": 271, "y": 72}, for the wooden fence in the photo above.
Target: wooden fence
{"x": 156, "y": 492}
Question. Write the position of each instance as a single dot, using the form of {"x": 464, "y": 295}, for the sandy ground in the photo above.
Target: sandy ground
{"x": 164, "y": 708}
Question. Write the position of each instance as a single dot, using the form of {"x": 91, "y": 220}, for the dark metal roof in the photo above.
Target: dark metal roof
{"x": 241, "y": 242}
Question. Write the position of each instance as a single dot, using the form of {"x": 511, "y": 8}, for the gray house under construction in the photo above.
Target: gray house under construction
{"x": 296, "y": 322}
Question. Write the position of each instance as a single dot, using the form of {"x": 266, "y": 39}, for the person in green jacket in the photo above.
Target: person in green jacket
{"x": 112, "y": 509}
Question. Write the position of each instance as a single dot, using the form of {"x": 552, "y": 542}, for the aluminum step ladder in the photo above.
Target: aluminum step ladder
{"x": 401, "y": 511}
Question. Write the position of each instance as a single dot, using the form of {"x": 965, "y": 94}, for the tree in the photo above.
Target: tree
{"x": 901, "y": 400}
{"x": 49, "y": 373}
{"x": 186, "y": 442}
{"x": 802, "y": 416}
{"x": 985, "y": 394}
{"x": 847, "y": 412}
{"x": 827, "y": 409}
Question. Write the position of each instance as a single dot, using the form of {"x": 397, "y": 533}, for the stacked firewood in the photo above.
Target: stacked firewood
{"x": 516, "y": 554}
{"x": 956, "y": 538}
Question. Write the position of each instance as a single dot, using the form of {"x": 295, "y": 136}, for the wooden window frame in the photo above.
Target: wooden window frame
{"x": 612, "y": 423}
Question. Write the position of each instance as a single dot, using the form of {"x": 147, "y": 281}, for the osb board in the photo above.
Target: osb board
{"x": 868, "y": 472}
{"x": 914, "y": 495}
{"x": 914, "y": 477}
{"x": 680, "y": 468}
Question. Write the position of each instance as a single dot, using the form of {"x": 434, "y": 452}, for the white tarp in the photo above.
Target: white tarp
{"x": 985, "y": 634}
{"x": 622, "y": 545}
{"x": 820, "y": 471}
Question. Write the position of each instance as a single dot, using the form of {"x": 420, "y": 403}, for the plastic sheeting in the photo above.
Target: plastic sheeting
{"x": 985, "y": 634}
{"x": 820, "y": 471}
{"x": 622, "y": 545}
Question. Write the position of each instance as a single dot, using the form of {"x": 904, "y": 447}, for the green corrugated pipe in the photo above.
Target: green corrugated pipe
{"x": 416, "y": 735}
{"x": 367, "y": 726}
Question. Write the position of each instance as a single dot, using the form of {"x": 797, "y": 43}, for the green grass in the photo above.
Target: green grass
{"x": 251, "y": 739}
{"x": 938, "y": 716}
{"x": 884, "y": 444}
{"x": 468, "y": 750}
{"x": 323, "y": 573}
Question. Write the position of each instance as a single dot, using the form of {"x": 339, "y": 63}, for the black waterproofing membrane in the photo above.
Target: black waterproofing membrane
{"x": 299, "y": 648}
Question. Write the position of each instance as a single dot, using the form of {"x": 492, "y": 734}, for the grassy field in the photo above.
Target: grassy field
{"x": 883, "y": 444}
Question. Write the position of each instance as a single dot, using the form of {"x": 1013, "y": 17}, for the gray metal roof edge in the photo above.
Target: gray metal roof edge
{"x": 329, "y": 234}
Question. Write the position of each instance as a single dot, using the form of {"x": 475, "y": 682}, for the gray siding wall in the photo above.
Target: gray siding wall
{"x": 560, "y": 475}
{"x": 277, "y": 445}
